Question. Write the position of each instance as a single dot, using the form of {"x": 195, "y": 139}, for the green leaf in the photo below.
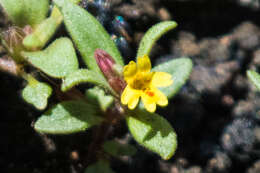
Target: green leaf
{"x": 180, "y": 70}
{"x": 87, "y": 33}
{"x": 101, "y": 166}
{"x": 81, "y": 76}
{"x": 152, "y": 35}
{"x": 254, "y": 77}
{"x": 26, "y": 12}
{"x": 153, "y": 132}
{"x": 44, "y": 31}
{"x": 37, "y": 94}
{"x": 97, "y": 95}
{"x": 68, "y": 117}
{"x": 75, "y": 1}
{"x": 117, "y": 149}
{"x": 58, "y": 60}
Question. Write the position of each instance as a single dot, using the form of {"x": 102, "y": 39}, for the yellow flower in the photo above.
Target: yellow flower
{"x": 141, "y": 82}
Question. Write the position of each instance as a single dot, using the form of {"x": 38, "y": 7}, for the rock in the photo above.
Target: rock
{"x": 238, "y": 137}
{"x": 211, "y": 79}
{"x": 247, "y": 36}
{"x": 219, "y": 163}
{"x": 255, "y": 168}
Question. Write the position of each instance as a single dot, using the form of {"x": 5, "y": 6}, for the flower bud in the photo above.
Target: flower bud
{"x": 108, "y": 66}
{"x": 13, "y": 41}
{"x": 118, "y": 84}
{"x": 105, "y": 62}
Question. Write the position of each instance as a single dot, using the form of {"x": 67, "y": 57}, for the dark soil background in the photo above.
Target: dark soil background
{"x": 216, "y": 114}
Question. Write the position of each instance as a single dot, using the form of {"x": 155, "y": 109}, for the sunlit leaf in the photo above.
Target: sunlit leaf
{"x": 26, "y": 12}
{"x": 68, "y": 117}
{"x": 254, "y": 78}
{"x": 180, "y": 70}
{"x": 152, "y": 35}
{"x": 153, "y": 132}
{"x": 37, "y": 94}
{"x": 57, "y": 60}
{"x": 87, "y": 33}
{"x": 97, "y": 95}
{"x": 83, "y": 76}
{"x": 44, "y": 31}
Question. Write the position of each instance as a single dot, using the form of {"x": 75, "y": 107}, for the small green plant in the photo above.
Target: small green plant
{"x": 254, "y": 77}
{"x": 115, "y": 85}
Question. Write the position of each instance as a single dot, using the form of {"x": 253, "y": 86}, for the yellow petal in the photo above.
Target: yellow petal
{"x": 130, "y": 70}
{"x": 149, "y": 102}
{"x": 161, "y": 98}
{"x": 133, "y": 101}
{"x": 127, "y": 94}
{"x": 162, "y": 79}
{"x": 144, "y": 64}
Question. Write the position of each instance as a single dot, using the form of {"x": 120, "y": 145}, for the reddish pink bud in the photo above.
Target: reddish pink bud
{"x": 118, "y": 84}
{"x": 106, "y": 64}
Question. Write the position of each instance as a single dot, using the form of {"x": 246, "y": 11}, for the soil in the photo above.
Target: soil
{"x": 216, "y": 114}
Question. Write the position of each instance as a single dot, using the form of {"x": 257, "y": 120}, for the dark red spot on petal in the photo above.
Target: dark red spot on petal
{"x": 149, "y": 93}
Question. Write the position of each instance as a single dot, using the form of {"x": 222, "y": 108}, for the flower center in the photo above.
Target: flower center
{"x": 141, "y": 81}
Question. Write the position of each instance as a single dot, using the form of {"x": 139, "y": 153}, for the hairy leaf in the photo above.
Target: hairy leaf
{"x": 58, "y": 60}
{"x": 82, "y": 76}
{"x": 152, "y": 35}
{"x": 87, "y": 33}
{"x": 68, "y": 117}
{"x": 26, "y": 12}
{"x": 44, "y": 31}
{"x": 97, "y": 95}
{"x": 180, "y": 70}
{"x": 153, "y": 132}
{"x": 37, "y": 94}
{"x": 254, "y": 77}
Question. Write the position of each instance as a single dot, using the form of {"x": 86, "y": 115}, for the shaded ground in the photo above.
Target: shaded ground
{"x": 216, "y": 115}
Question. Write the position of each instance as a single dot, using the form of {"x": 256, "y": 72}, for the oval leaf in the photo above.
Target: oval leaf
{"x": 254, "y": 77}
{"x": 180, "y": 70}
{"x": 97, "y": 95}
{"x": 37, "y": 94}
{"x": 153, "y": 132}
{"x": 57, "y": 60}
{"x": 87, "y": 33}
{"x": 152, "y": 35}
{"x": 68, "y": 117}
{"x": 44, "y": 31}
{"x": 26, "y": 12}
{"x": 101, "y": 166}
{"x": 117, "y": 149}
{"x": 81, "y": 76}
